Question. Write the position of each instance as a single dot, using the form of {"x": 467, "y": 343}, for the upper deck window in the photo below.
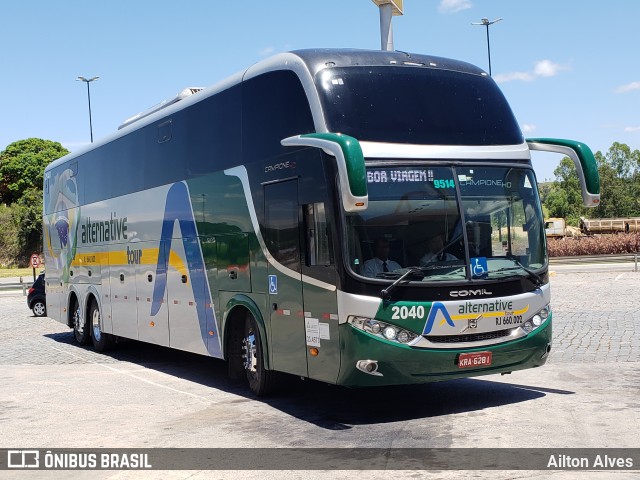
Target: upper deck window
{"x": 416, "y": 105}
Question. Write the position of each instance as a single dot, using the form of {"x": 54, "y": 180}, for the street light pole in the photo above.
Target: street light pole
{"x": 487, "y": 23}
{"x": 388, "y": 9}
{"x": 88, "y": 81}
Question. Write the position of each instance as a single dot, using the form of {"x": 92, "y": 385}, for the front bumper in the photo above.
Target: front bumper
{"x": 400, "y": 364}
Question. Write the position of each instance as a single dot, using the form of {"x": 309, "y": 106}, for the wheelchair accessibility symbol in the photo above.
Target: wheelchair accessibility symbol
{"x": 273, "y": 284}
{"x": 479, "y": 266}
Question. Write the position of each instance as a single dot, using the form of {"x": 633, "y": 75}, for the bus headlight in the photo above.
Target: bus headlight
{"x": 382, "y": 329}
{"x": 537, "y": 320}
{"x": 372, "y": 326}
{"x": 390, "y": 333}
{"x": 403, "y": 336}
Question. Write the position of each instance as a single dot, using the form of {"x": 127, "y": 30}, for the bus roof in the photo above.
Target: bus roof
{"x": 317, "y": 59}
{"x": 306, "y": 63}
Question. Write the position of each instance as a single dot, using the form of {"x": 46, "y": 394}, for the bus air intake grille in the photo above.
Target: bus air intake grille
{"x": 473, "y": 337}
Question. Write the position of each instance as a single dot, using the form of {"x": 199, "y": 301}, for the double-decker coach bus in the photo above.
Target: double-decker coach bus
{"x": 355, "y": 217}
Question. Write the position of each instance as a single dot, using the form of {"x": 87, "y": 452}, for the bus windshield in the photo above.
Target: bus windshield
{"x": 448, "y": 223}
{"x": 416, "y": 105}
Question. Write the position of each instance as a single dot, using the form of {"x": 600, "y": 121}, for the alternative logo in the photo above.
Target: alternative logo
{"x": 178, "y": 210}
{"x": 436, "y": 308}
{"x": 472, "y": 312}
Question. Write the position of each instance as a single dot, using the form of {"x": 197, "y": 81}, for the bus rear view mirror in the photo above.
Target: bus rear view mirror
{"x": 350, "y": 161}
{"x": 583, "y": 159}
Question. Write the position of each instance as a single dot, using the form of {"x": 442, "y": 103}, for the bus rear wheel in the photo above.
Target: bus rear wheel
{"x": 80, "y": 329}
{"x": 101, "y": 341}
{"x": 261, "y": 381}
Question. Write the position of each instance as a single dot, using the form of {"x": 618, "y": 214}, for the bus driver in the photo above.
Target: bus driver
{"x": 381, "y": 262}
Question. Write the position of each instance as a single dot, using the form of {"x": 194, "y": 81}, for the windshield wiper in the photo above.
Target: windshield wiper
{"x": 537, "y": 280}
{"x": 434, "y": 259}
{"x": 410, "y": 271}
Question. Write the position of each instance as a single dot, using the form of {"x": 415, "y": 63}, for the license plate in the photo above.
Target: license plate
{"x": 476, "y": 359}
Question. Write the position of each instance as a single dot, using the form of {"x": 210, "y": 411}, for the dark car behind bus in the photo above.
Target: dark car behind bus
{"x": 36, "y": 298}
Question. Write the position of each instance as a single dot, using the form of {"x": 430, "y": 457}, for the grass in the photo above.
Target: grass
{"x": 26, "y": 273}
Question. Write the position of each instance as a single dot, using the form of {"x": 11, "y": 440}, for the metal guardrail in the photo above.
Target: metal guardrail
{"x": 614, "y": 258}
{"x": 15, "y": 286}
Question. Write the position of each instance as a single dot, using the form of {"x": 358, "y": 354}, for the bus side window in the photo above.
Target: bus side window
{"x": 282, "y": 223}
{"x": 317, "y": 238}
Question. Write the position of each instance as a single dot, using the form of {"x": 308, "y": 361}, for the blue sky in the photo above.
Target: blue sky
{"x": 569, "y": 68}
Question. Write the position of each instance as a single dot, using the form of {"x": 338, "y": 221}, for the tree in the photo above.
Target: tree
{"x": 619, "y": 175}
{"x": 619, "y": 171}
{"x": 27, "y": 217}
{"x": 9, "y": 243}
{"x": 564, "y": 197}
{"x": 22, "y": 166}
{"x": 623, "y": 161}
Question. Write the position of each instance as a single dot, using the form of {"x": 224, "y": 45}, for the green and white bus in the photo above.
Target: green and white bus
{"x": 284, "y": 220}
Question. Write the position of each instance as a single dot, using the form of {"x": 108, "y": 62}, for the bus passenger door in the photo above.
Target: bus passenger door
{"x": 282, "y": 217}
{"x": 320, "y": 300}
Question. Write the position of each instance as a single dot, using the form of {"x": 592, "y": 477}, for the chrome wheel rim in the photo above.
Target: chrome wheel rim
{"x": 249, "y": 353}
{"x": 95, "y": 323}
{"x": 78, "y": 325}
{"x": 39, "y": 308}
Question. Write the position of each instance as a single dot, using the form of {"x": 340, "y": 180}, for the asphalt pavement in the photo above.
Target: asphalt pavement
{"x": 56, "y": 394}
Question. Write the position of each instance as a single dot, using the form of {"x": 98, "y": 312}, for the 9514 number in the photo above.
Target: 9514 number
{"x": 443, "y": 183}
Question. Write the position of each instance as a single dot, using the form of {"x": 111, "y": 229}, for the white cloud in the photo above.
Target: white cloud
{"x": 632, "y": 129}
{"x": 454, "y": 6}
{"x": 528, "y": 127}
{"x": 542, "y": 68}
{"x": 546, "y": 68}
{"x": 508, "y": 77}
{"x": 628, "y": 87}
{"x": 266, "y": 51}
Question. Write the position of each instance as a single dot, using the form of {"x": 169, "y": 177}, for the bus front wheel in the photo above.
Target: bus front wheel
{"x": 261, "y": 381}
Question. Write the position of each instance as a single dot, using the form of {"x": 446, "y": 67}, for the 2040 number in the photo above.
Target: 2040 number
{"x": 404, "y": 312}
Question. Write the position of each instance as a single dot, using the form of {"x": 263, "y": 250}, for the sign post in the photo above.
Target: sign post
{"x": 35, "y": 263}
{"x": 388, "y": 9}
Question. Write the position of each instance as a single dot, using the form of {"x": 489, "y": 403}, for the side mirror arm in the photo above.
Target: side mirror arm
{"x": 583, "y": 159}
{"x": 350, "y": 161}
